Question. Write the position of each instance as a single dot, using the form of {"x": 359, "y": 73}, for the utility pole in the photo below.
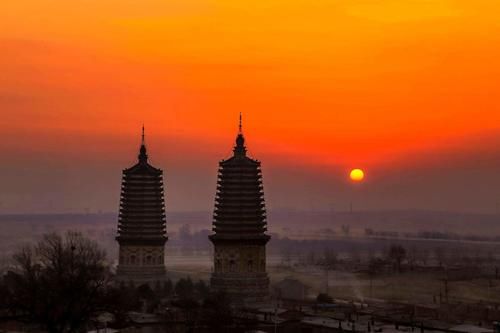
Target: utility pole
{"x": 276, "y": 317}
{"x": 327, "y": 285}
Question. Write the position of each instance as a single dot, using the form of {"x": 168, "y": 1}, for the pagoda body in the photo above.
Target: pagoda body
{"x": 239, "y": 227}
{"x": 141, "y": 225}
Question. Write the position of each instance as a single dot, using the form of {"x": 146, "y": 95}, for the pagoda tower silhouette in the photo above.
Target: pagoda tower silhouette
{"x": 142, "y": 224}
{"x": 239, "y": 228}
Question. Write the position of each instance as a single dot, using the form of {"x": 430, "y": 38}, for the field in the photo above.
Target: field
{"x": 289, "y": 252}
{"x": 414, "y": 287}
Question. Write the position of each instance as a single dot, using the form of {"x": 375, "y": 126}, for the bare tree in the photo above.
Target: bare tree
{"x": 396, "y": 255}
{"x": 330, "y": 258}
{"x": 423, "y": 256}
{"x": 412, "y": 255}
{"x": 440, "y": 255}
{"x": 286, "y": 256}
{"x": 346, "y": 229}
{"x": 218, "y": 313}
{"x": 58, "y": 283}
{"x": 375, "y": 266}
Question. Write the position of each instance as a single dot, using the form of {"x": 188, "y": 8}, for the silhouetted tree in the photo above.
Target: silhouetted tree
{"x": 190, "y": 310}
{"x": 286, "y": 256}
{"x": 202, "y": 289}
{"x": 329, "y": 259}
{"x": 412, "y": 255}
{"x": 119, "y": 301}
{"x": 346, "y": 229}
{"x": 185, "y": 233}
{"x": 397, "y": 254}
{"x": 324, "y": 298}
{"x": 148, "y": 297}
{"x": 184, "y": 288}
{"x": 4, "y": 294}
{"x": 59, "y": 283}
{"x": 167, "y": 288}
{"x": 375, "y": 266}
{"x": 440, "y": 255}
{"x": 217, "y": 312}
{"x": 145, "y": 291}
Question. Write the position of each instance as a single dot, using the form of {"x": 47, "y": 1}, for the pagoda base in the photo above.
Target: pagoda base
{"x": 248, "y": 287}
{"x": 139, "y": 275}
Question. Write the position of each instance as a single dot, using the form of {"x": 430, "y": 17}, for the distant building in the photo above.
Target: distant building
{"x": 141, "y": 224}
{"x": 291, "y": 289}
{"x": 239, "y": 227}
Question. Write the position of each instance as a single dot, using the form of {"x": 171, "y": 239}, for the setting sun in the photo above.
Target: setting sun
{"x": 357, "y": 175}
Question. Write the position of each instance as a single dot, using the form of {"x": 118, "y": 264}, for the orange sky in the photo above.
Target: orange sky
{"x": 338, "y": 83}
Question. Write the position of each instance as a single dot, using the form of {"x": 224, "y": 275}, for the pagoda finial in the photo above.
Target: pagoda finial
{"x": 239, "y": 149}
{"x": 143, "y": 156}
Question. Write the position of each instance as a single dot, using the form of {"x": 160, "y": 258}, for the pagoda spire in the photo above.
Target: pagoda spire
{"x": 142, "y": 134}
{"x": 240, "y": 149}
{"x": 143, "y": 156}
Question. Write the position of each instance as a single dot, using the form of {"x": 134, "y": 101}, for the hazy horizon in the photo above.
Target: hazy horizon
{"x": 454, "y": 181}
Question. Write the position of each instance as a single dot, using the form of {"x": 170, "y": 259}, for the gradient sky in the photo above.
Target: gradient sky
{"x": 407, "y": 90}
